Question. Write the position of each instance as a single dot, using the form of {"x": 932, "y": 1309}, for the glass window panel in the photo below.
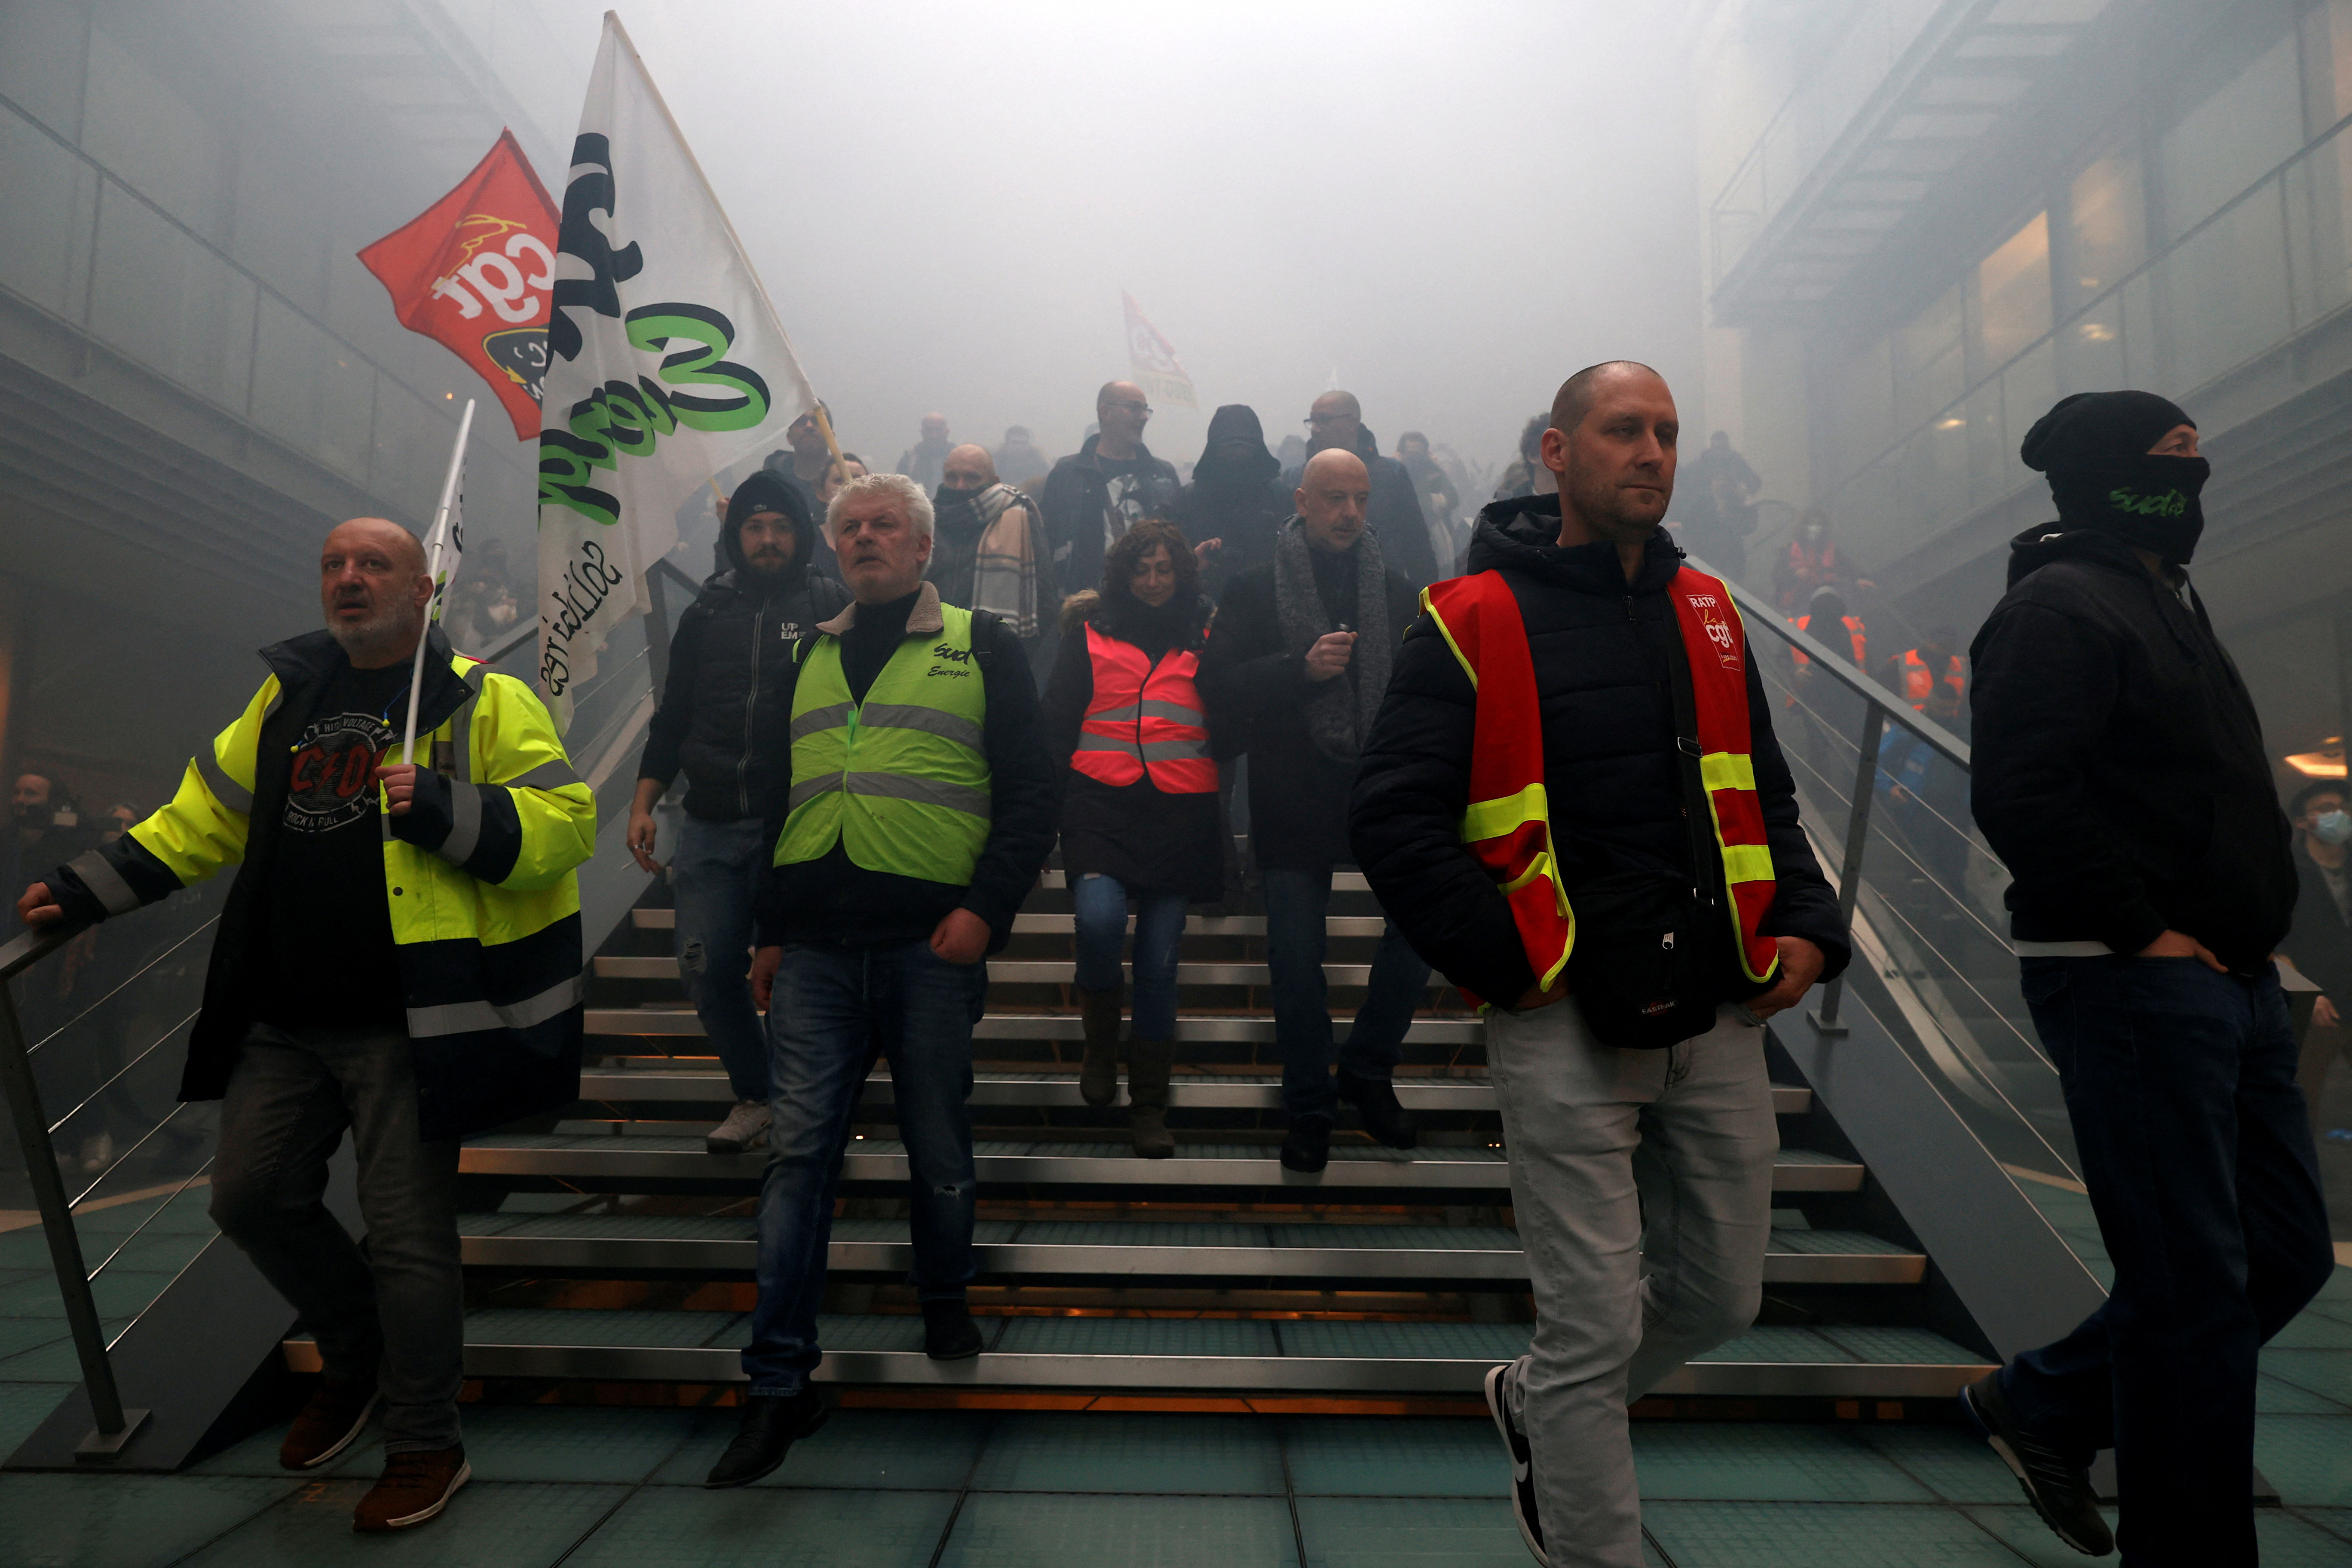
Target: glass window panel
{"x": 1929, "y": 369}
{"x": 169, "y": 302}
{"x": 45, "y": 242}
{"x": 1991, "y": 457}
{"x": 2091, "y": 349}
{"x": 2028, "y": 388}
{"x": 2224, "y": 291}
{"x": 2233, "y": 137}
{"x": 2146, "y": 349}
{"x": 2107, "y": 227}
{"x": 2319, "y": 229}
{"x": 2014, "y": 295}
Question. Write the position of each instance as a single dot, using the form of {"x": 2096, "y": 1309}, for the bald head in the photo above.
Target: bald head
{"x": 1122, "y": 411}
{"x": 373, "y": 586}
{"x": 1335, "y": 490}
{"x": 1577, "y": 395}
{"x": 1612, "y": 443}
{"x": 968, "y": 467}
{"x": 1333, "y": 422}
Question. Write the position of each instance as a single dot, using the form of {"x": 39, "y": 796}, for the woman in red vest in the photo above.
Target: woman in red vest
{"x": 1140, "y": 817}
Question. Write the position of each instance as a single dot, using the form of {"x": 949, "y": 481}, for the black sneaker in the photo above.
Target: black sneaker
{"x": 1306, "y": 1147}
{"x": 771, "y": 1424}
{"x": 1523, "y": 1475}
{"x": 2060, "y": 1493}
{"x": 948, "y": 1332}
{"x": 1375, "y": 1099}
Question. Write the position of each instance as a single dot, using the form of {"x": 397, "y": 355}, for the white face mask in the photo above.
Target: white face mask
{"x": 2331, "y": 826}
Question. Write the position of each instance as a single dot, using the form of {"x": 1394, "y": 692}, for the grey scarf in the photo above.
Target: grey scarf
{"x": 1340, "y": 710}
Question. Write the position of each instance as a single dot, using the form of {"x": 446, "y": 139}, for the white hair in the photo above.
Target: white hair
{"x": 893, "y": 486}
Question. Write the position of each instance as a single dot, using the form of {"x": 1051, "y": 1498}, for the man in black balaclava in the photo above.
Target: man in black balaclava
{"x": 1235, "y": 501}
{"x": 724, "y": 717}
{"x": 2120, "y": 773}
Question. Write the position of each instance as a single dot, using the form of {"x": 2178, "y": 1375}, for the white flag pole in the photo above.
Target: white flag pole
{"x": 434, "y": 539}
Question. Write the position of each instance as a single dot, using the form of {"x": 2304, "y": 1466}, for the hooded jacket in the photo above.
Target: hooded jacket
{"x": 1611, "y": 770}
{"x": 1394, "y": 513}
{"x": 2119, "y": 769}
{"x": 725, "y": 705}
{"x": 1077, "y": 496}
{"x": 1237, "y": 497}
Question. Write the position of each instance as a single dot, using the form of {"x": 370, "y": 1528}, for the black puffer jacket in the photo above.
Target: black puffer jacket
{"x": 725, "y": 707}
{"x": 1611, "y": 767}
{"x": 2119, "y": 767}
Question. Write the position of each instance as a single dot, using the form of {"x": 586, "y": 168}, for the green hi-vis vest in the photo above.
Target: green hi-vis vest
{"x": 900, "y": 780}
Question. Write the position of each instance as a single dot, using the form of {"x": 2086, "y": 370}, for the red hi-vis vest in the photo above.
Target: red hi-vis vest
{"x": 1144, "y": 718}
{"x": 1919, "y": 681}
{"x": 1507, "y": 825}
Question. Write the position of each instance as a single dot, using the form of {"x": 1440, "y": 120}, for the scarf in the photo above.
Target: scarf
{"x": 1340, "y": 710}
{"x": 984, "y": 554}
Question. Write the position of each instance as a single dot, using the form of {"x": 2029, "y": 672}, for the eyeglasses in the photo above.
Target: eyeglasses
{"x": 1142, "y": 408}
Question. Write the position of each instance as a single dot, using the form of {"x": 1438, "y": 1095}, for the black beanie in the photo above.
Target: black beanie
{"x": 2094, "y": 448}
{"x": 2092, "y": 427}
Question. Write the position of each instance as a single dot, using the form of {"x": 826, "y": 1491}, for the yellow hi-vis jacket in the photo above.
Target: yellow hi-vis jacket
{"x": 479, "y": 877}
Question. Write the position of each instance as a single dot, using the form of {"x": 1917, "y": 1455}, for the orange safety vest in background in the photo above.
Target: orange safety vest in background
{"x": 1507, "y": 824}
{"x": 1854, "y": 628}
{"x": 1145, "y": 716}
{"x": 1919, "y": 681}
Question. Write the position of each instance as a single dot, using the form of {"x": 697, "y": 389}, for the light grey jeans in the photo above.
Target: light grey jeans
{"x": 1643, "y": 1187}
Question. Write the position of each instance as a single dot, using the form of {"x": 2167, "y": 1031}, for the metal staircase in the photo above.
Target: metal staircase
{"x": 610, "y": 1247}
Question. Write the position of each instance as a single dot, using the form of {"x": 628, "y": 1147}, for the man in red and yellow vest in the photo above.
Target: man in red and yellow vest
{"x": 1581, "y": 714}
{"x": 1931, "y": 673}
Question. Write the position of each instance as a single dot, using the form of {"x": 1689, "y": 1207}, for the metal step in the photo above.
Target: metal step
{"x": 628, "y": 1154}
{"x": 1188, "y": 1353}
{"x": 1230, "y": 1028}
{"x": 1239, "y": 1091}
{"x": 1051, "y": 924}
{"x": 1029, "y": 972}
{"x": 688, "y": 1244}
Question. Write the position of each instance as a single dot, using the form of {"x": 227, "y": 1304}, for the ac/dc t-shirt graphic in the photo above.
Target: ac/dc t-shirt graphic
{"x": 327, "y": 920}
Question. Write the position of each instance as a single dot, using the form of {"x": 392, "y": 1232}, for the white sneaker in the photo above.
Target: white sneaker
{"x": 746, "y": 1127}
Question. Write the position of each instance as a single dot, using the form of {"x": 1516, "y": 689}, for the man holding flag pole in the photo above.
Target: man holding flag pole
{"x": 399, "y": 958}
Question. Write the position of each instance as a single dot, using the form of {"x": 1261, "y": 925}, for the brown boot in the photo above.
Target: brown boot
{"x": 417, "y": 1485}
{"x": 1099, "y": 1073}
{"x": 332, "y": 1420}
{"x": 1147, "y": 1064}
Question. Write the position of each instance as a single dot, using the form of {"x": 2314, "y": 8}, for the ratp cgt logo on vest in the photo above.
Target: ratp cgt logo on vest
{"x": 1718, "y": 630}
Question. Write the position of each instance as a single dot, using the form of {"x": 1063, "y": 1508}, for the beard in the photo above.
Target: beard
{"x": 1612, "y": 513}
{"x": 380, "y": 634}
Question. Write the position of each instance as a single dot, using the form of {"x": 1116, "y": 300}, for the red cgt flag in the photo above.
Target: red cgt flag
{"x": 474, "y": 274}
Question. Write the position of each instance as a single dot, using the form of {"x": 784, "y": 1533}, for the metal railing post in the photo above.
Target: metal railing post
{"x": 116, "y": 1425}
{"x": 1857, "y": 835}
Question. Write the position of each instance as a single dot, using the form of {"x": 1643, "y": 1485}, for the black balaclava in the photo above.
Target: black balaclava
{"x": 1234, "y": 458}
{"x": 2094, "y": 448}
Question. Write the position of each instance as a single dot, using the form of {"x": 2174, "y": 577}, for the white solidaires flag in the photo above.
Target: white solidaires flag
{"x": 666, "y": 363}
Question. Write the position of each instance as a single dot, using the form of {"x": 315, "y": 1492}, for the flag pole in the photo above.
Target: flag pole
{"x": 433, "y": 539}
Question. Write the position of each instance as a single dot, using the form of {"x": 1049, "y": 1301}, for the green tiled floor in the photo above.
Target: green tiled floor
{"x": 603, "y": 1487}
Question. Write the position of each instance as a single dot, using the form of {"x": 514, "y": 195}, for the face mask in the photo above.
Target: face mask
{"x": 948, "y": 495}
{"x": 2331, "y": 826}
{"x": 2149, "y": 502}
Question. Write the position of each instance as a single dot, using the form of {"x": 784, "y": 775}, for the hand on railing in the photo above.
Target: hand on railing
{"x": 39, "y": 906}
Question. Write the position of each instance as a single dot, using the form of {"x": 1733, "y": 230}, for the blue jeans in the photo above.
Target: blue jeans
{"x": 2180, "y": 1084}
{"x": 715, "y": 873}
{"x": 835, "y": 1008}
{"x": 1295, "y": 905}
{"x": 1100, "y": 904}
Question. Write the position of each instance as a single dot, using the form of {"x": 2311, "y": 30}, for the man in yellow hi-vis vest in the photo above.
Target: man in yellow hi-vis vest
{"x": 399, "y": 957}
{"x": 921, "y": 803}
{"x": 1573, "y": 804}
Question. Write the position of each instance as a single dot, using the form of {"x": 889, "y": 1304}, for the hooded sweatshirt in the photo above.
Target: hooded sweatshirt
{"x": 725, "y": 708}
{"x": 1236, "y": 498}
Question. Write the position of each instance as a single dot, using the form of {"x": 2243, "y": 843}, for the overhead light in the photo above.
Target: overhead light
{"x": 2328, "y": 763}
{"x": 1954, "y": 422}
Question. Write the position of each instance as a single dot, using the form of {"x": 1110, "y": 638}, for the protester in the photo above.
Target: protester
{"x": 1930, "y": 671}
{"x": 891, "y": 882}
{"x": 2119, "y": 771}
{"x": 986, "y": 542}
{"x": 925, "y": 461}
{"x": 1295, "y": 667}
{"x": 1929, "y": 795}
{"x": 1335, "y": 424}
{"x": 1020, "y": 461}
{"x": 721, "y": 722}
{"x": 1106, "y": 487}
{"x": 1435, "y": 490}
{"x": 806, "y": 456}
{"x": 1140, "y": 817}
{"x": 2321, "y": 942}
{"x": 1720, "y": 464}
{"x": 1236, "y": 498}
{"x": 331, "y": 1005}
{"x": 1526, "y": 476}
{"x": 1714, "y": 524}
{"x": 1811, "y": 562}
{"x": 851, "y": 467}
{"x": 1582, "y": 666}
